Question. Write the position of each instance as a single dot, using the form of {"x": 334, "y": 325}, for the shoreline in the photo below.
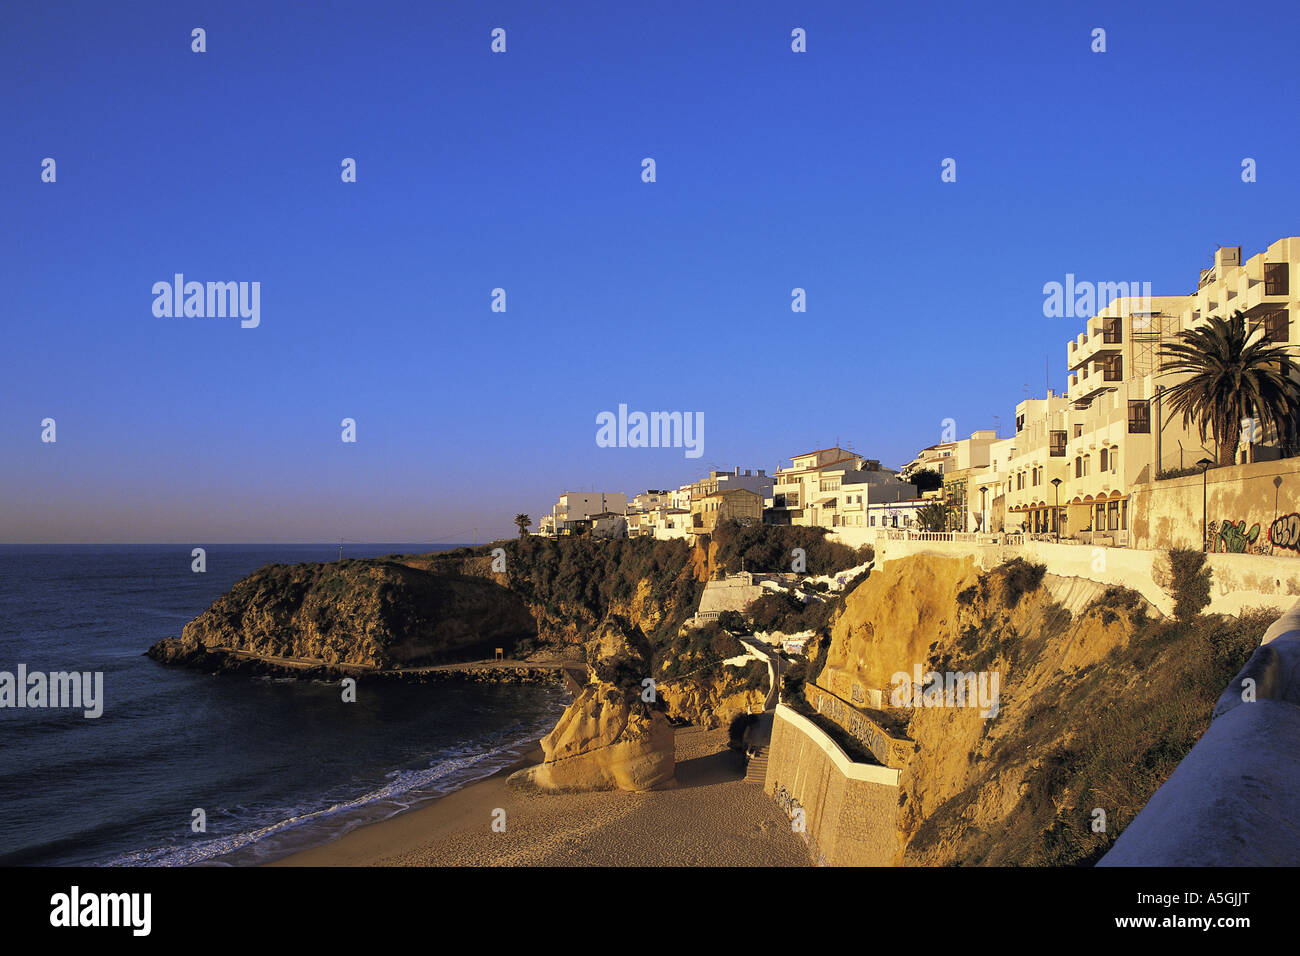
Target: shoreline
{"x": 336, "y": 826}
{"x": 710, "y": 818}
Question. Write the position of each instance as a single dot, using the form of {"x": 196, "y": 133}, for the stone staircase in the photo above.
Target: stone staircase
{"x": 759, "y": 735}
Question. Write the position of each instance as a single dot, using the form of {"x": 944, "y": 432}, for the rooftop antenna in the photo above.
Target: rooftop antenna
{"x": 997, "y": 426}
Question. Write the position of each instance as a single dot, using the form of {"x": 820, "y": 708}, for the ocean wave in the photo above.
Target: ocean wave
{"x": 455, "y": 769}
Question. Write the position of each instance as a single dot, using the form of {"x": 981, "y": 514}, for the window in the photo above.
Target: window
{"x": 1139, "y": 418}
{"x": 1276, "y": 278}
{"x": 1078, "y": 467}
{"x": 1112, "y": 514}
{"x": 1058, "y": 444}
{"x": 1112, "y": 369}
{"x": 1087, "y": 460}
{"x": 1112, "y": 333}
{"x": 1020, "y": 422}
{"x": 1114, "y": 461}
{"x": 1078, "y": 431}
{"x": 1275, "y": 325}
{"x": 1103, "y": 459}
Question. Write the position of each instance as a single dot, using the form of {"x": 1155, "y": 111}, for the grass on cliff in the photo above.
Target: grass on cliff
{"x": 1105, "y": 737}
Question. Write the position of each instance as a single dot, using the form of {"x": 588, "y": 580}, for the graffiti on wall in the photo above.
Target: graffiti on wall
{"x": 1285, "y": 532}
{"x": 1234, "y": 537}
{"x": 1231, "y": 537}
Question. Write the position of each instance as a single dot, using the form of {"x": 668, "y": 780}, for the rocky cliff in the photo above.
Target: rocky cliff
{"x": 378, "y": 614}
{"x": 571, "y": 585}
{"x": 1098, "y": 700}
{"x": 610, "y": 737}
{"x": 538, "y": 598}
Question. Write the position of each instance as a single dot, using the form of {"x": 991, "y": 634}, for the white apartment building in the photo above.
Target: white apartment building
{"x": 1113, "y": 429}
{"x": 819, "y": 484}
{"x": 649, "y": 500}
{"x": 579, "y": 506}
{"x": 895, "y": 514}
{"x": 947, "y": 457}
{"x": 759, "y": 482}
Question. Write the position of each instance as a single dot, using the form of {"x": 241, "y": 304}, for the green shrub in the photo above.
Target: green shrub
{"x": 769, "y": 548}
{"x": 1020, "y": 577}
{"x": 1190, "y": 584}
{"x": 1116, "y": 601}
{"x": 732, "y": 621}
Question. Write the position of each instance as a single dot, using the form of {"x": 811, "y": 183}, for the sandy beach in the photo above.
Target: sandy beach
{"x": 711, "y": 818}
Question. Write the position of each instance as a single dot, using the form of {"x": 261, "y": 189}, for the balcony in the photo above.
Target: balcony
{"x": 1268, "y": 290}
{"x": 1100, "y": 346}
{"x": 1088, "y": 384}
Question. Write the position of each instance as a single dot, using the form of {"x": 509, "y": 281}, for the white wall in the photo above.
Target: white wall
{"x": 1239, "y": 581}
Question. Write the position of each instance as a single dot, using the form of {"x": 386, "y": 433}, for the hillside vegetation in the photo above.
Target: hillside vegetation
{"x": 1096, "y": 707}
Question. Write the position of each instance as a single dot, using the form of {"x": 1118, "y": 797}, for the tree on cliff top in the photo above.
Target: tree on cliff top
{"x": 926, "y": 479}
{"x": 522, "y": 521}
{"x": 932, "y": 517}
{"x": 769, "y": 548}
{"x": 1232, "y": 375}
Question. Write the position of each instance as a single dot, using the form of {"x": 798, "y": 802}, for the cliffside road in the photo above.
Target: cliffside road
{"x": 760, "y": 652}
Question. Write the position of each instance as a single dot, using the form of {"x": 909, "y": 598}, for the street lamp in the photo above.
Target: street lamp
{"x": 1205, "y": 464}
{"x": 1056, "y": 515}
{"x": 984, "y": 509}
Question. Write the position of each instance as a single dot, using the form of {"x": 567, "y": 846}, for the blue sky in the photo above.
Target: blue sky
{"x": 522, "y": 170}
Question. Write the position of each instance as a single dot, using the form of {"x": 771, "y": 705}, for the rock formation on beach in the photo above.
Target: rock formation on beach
{"x": 362, "y": 613}
{"x": 609, "y": 738}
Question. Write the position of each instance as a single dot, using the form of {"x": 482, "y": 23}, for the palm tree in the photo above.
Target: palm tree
{"x": 1232, "y": 374}
{"x": 932, "y": 517}
{"x": 522, "y": 521}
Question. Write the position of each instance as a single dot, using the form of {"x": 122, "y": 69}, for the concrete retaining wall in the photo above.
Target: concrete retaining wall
{"x": 849, "y": 809}
{"x": 1250, "y": 509}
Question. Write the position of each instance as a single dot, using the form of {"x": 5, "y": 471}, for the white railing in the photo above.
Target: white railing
{"x": 957, "y": 537}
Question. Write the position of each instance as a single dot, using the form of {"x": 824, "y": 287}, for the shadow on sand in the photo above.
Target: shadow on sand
{"x": 710, "y": 770}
